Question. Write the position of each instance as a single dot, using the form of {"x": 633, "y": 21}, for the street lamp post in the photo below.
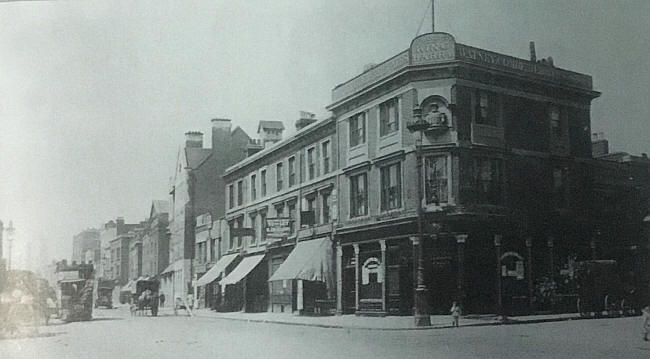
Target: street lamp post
{"x": 10, "y": 238}
{"x": 421, "y": 314}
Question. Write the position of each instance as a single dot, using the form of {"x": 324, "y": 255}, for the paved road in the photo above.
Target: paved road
{"x": 114, "y": 334}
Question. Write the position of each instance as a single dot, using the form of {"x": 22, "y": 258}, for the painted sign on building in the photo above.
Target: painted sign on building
{"x": 278, "y": 227}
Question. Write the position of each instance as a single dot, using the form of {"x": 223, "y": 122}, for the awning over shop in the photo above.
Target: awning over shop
{"x": 310, "y": 260}
{"x": 129, "y": 287}
{"x": 172, "y": 267}
{"x": 246, "y": 266}
{"x": 216, "y": 270}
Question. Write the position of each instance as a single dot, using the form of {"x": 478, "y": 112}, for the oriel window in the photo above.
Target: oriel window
{"x": 435, "y": 179}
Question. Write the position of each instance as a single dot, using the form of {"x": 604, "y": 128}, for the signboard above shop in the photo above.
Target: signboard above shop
{"x": 279, "y": 227}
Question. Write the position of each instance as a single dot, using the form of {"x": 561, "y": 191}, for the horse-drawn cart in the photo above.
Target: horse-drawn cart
{"x": 146, "y": 296}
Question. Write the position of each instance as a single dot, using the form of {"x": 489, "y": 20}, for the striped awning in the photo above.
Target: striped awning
{"x": 216, "y": 270}
{"x": 245, "y": 266}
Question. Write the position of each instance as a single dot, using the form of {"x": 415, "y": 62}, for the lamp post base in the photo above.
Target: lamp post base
{"x": 420, "y": 313}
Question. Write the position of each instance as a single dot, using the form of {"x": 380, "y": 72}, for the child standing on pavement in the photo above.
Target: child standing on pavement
{"x": 455, "y": 313}
{"x": 646, "y": 322}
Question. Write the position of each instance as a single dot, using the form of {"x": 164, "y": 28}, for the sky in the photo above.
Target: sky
{"x": 95, "y": 96}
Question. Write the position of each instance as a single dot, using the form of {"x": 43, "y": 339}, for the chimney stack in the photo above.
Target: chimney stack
{"x": 306, "y": 119}
{"x": 599, "y": 145}
{"x": 194, "y": 139}
{"x": 221, "y": 143}
{"x": 533, "y": 54}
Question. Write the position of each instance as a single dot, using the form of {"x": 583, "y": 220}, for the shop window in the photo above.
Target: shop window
{"x": 391, "y": 187}
{"x": 357, "y": 129}
{"x": 435, "y": 179}
{"x": 359, "y": 195}
{"x": 388, "y": 117}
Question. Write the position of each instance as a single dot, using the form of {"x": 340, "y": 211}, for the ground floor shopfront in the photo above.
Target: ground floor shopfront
{"x": 488, "y": 263}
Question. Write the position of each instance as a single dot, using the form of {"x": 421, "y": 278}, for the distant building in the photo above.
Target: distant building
{"x": 135, "y": 258}
{"x": 83, "y": 242}
{"x": 270, "y": 132}
{"x": 120, "y": 250}
{"x": 155, "y": 241}
{"x": 111, "y": 230}
{"x": 197, "y": 188}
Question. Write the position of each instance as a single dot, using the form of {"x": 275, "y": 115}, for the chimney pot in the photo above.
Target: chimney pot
{"x": 194, "y": 139}
{"x": 306, "y": 119}
{"x": 533, "y": 54}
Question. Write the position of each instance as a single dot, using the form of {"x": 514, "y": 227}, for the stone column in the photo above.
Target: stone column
{"x": 551, "y": 259}
{"x": 529, "y": 252}
{"x": 382, "y": 244}
{"x": 460, "y": 283}
{"x": 299, "y": 300}
{"x": 356, "y": 276}
{"x": 497, "y": 245}
{"x": 339, "y": 279}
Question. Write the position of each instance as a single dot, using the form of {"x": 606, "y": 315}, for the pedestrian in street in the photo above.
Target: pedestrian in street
{"x": 646, "y": 322}
{"x": 455, "y": 313}
{"x": 162, "y": 300}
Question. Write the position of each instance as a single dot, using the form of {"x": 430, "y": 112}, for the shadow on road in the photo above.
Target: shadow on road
{"x": 29, "y": 335}
{"x": 105, "y": 318}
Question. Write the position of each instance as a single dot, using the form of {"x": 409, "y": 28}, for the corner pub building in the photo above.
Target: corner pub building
{"x": 506, "y": 179}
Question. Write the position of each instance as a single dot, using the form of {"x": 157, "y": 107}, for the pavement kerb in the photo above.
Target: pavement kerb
{"x": 336, "y": 326}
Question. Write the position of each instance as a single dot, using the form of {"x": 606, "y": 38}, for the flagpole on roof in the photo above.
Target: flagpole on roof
{"x": 433, "y": 16}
